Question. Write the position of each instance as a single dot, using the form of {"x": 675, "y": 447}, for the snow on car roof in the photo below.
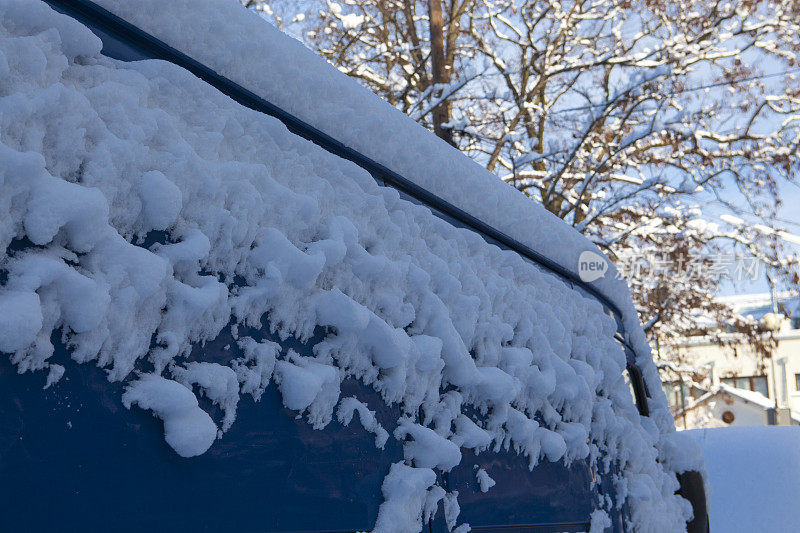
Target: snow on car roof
{"x": 240, "y": 45}
{"x": 245, "y": 48}
{"x": 134, "y": 216}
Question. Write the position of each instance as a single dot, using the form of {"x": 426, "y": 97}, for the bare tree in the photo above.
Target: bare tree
{"x": 659, "y": 129}
{"x": 439, "y": 71}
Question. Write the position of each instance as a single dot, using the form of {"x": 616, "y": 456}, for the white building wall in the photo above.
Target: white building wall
{"x": 741, "y": 360}
{"x": 745, "y": 414}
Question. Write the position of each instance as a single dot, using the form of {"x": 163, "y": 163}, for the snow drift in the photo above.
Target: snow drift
{"x": 753, "y": 474}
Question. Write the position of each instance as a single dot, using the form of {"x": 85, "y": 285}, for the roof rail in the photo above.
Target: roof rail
{"x": 148, "y": 46}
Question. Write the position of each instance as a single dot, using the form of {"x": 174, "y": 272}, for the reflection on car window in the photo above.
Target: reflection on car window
{"x": 627, "y": 377}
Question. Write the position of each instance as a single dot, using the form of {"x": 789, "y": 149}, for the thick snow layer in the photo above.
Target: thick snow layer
{"x": 405, "y": 491}
{"x": 17, "y": 328}
{"x": 255, "y": 368}
{"x": 139, "y": 226}
{"x": 754, "y": 477}
{"x": 187, "y": 428}
{"x": 308, "y": 385}
{"x": 218, "y": 383}
{"x": 426, "y": 448}
{"x": 600, "y": 521}
{"x": 484, "y": 480}
{"x": 351, "y": 405}
{"x": 251, "y": 52}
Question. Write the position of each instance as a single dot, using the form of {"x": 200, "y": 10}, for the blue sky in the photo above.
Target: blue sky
{"x": 790, "y": 221}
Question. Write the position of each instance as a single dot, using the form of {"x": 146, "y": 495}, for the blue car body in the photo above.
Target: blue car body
{"x": 73, "y": 458}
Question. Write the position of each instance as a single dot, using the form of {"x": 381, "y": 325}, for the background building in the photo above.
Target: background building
{"x": 727, "y": 380}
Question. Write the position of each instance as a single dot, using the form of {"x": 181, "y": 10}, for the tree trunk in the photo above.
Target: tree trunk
{"x": 441, "y": 113}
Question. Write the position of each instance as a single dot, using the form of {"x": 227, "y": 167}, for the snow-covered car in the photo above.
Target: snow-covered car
{"x": 259, "y": 298}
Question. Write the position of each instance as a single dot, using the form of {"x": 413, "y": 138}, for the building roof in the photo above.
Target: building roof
{"x": 756, "y": 305}
{"x": 750, "y": 397}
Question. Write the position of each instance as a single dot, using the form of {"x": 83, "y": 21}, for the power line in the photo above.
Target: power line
{"x": 691, "y": 89}
{"x": 787, "y": 221}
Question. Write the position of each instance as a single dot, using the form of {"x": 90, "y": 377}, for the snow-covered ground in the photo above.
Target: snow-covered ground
{"x": 139, "y": 226}
{"x": 754, "y": 477}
